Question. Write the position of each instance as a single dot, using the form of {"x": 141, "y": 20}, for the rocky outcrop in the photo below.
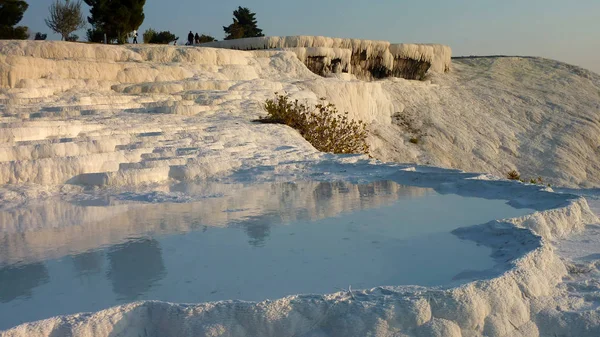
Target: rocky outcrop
{"x": 366, "y": 59}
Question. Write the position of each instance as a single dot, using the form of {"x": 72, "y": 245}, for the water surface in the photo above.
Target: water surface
{"x": 249, "y": 242}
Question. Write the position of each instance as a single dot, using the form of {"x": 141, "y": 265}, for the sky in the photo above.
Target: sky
{"x": 567, "y": 31}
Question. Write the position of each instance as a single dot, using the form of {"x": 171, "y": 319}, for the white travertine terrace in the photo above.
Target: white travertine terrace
{"x": 84, "y": 116}
{"x": 385, "y": 53}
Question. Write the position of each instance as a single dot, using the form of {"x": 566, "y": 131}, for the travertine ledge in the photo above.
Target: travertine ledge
{"x": 366, "y": 59}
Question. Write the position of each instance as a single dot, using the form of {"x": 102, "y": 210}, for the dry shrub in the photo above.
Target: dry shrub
{"x": 513, "y": 175}
{"x": 537, "y": 181}
{"x": 322, "y": 125}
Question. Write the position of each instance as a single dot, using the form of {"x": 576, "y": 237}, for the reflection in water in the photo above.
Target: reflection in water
{"x": 232, "y": 241}
{"x": 88, "y": 263}
{"x": 287, "y": 191}
{"x": 324, "y": 191}
{"x": 258, "y": 230}
{"x": 17, "y": 281}
{"x": 135, "y": 267}
{"x": 325, "y": 197}
{"x": 369, "y": 190}
{"x": 56, "y": 228}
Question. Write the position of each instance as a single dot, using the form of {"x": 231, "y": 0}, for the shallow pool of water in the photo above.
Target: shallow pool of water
{"x": 197, "y": 243}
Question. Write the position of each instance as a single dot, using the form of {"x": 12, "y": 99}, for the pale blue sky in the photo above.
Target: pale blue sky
{"x": 568, "y": 31}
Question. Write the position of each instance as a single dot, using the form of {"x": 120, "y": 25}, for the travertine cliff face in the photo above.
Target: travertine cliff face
{"x": 366, "y": 59}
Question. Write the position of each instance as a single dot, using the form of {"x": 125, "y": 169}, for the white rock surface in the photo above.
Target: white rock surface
{"x": 438, "y": 56}
{"x": 521, "y": 300}
{"x": 76, "y": 116}
{"x": 89, "y": 108}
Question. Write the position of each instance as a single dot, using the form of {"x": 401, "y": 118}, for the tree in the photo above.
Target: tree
{"x": 206, "y": 38}
{"x": 149, "y": 34}
{"x": 11, "y": 13}
{"x": 152, "y": 36}
{"x": 95, "y": 35}
{"x": 115, "y": 18}
{"x": 40, "y": 36}
{"x": 244, "y": 25}
{"x": 65, "y": 18}
{"x": 98, "y": 20}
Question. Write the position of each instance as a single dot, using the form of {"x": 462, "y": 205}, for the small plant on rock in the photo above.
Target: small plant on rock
{"x": 536, "y": 181}
{"x": 322, "y": 125}
{"x": 513, "y": 175}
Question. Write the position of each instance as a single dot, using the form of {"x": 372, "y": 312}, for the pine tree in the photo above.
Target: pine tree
{"x": 11, "y": 13}
{"x": 115, "y": 18}
{"x": 100, "y": 21}
{"x": 244, "y": 25}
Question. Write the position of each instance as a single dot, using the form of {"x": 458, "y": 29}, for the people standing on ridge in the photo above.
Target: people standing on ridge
{"x": 190, "y": 38}
{"x": 135, "y": 36}
{"x": 197, "y": 38}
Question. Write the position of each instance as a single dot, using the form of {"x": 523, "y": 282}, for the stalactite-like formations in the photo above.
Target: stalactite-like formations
{"x": 366, "y": 59}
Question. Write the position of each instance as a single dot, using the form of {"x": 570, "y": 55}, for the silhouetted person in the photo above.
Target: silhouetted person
{"x": 197, "y": 38}
{"x": 190, "y": 38}
{"x": 135, "y": 35}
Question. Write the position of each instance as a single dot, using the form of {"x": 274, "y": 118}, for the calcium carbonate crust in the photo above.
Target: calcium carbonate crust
{"x": 438, "y": 55}
{"x": 114, "y": 116}
{"x": 87, "y": 108}
{"x": 364, "y": 58}
{"x": 518, "y": 302}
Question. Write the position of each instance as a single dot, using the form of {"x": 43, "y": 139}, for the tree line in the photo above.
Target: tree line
{"x": 110, "y": 21}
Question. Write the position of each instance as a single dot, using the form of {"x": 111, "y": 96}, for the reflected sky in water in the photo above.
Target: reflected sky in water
{"x": 249, "y": 242}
